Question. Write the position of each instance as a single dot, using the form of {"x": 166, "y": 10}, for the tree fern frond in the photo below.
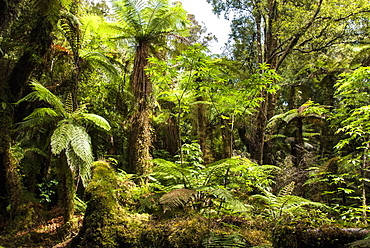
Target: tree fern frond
{"x": 43, "y": 94}
{"x": 170, "y": 170}
{"x": 99, "y": 60}
{"x": 75, "y": 163}
{"x": 81, "y": 144}
{"x": 35, "y": 122}
{"x": 228, "y": 198}
{"x": 97, "y": 120}
{"x": 61, "y": 137}
{"x": 37, "y": 151}
{"x": 177, "y": 198}
{"x": 41, "y": 113}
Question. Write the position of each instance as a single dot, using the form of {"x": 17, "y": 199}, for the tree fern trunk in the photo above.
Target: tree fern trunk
{"x": 66, "y": 189}
{"x": 140, "y": 140}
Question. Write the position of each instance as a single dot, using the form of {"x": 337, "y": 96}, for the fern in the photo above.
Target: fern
{"x": 215, "y": 240}
{"x": 78, "y": 165}
{"x": 284, "y": 202}
{"x": 40, "y": 93}
{"x": 287, "y": 190}
{"x": 81, "y": 144}
{"x": 177, "y": 198}
{"x": 69, "y": 104}
{"x": 61, "y": 137}
{"x": 97, "y": 120}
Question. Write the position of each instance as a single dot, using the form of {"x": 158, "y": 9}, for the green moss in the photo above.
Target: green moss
{"x": 107, "y": 223}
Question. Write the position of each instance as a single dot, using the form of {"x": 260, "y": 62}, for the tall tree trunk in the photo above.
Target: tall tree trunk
{"x": 140, "y": 139}
{"x": 12, "y": 87}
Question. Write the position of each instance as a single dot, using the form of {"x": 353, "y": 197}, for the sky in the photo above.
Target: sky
{"x": 217, "y": 26}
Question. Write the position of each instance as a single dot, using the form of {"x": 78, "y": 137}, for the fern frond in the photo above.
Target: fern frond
{"x": 69, "y": 104}
{"x": 97, "y": 120}
{"x": 37, "y": 151}
{"x": 61, "y": 137}
{"x": 99, "y": 60}
{"x": 215, "y": 240}
{"x": 177, "y": 198}
{"x": 71, "y": 27}
{"x": 168, "y": 170}
{"x": 231, "y": 202}
{"x": 287, "y": 190}
{"x": 43, "y": 94}
{"x": 75, "y": 163}
{"x": 81, "y": 144}
{"x": 41, "y": 113}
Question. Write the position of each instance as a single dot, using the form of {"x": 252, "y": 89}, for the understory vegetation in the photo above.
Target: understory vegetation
{"x": 120, "y": 128}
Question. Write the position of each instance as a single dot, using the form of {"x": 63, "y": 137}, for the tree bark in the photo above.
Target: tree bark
{"x": 140, "y": 138}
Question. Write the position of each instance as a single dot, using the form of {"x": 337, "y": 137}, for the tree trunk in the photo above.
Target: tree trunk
{"x": 140, "y": 139}
{"x": 66, "y": 189}
{"x": 202, "y": 131}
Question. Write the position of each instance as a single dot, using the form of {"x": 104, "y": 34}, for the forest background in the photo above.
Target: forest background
{"x": 191, "y": 149}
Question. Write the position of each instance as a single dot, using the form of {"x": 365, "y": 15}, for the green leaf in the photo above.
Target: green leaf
{"x": 61, "y": 137}
{"x": 81, "y": 144}
{"x": 97, "y": 120}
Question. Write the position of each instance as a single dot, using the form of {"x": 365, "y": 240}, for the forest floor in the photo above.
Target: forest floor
{"x": 54, "y": 233}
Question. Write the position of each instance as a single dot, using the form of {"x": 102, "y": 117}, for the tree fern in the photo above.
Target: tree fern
{"x": 97, "y": 120}
{"x": 69, "y": 135}
{"x": 40, "y": 93}
{"x": 61, "y": 137}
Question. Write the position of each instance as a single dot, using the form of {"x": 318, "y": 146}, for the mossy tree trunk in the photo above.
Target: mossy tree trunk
{"x": 66, "y": 189}
{"x": 140, "y": 139}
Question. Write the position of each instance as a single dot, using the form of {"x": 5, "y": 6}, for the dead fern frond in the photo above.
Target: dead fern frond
{"x": 177, "y": 198}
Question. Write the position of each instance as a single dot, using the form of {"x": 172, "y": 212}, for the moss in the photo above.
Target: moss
{"x": 107, "y": 223}
{"x": 292, "y": 234}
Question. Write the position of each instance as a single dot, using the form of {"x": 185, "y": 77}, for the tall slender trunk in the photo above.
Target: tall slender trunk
{"x": 140, "y": 138}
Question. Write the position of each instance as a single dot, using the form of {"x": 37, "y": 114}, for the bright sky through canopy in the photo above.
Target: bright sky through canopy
{"x": 203, "y": 14}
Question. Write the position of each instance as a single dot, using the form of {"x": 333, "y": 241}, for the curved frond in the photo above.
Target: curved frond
{"x": 40, "y": 113}
{"x": 77, "y": 164}
{"x": 61, "y": 137}
{"x": 225, "y": 195}
{"x": 81, "y": 144}
{"x": 97, "y": 120}
{"x": 43, "y": 94}
{"x": 177, "y": 198}
{"x": 99, "y": 60}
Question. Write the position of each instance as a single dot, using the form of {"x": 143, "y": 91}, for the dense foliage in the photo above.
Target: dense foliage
{"x": 119, "y": 128}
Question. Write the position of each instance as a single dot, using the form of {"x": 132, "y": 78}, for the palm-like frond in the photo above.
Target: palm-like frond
{"x": 82, "y": 167}
{"x": 149, "y": 21}
{"x": 61, "y": 137}
{"x": 129, "y": 15}
{"x": 41, "y": 93}
{"x": 81, "y": 144}
{"x": 41, "y": 113}
{"x": 97, "y": 120}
